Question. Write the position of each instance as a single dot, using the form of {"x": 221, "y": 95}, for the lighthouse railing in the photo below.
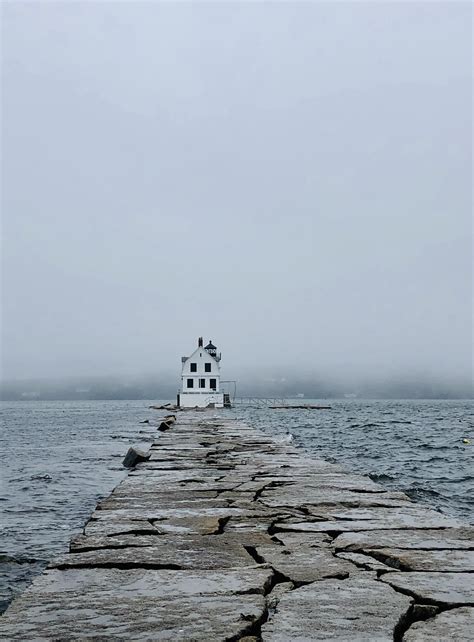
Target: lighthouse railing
{"x": 260, "y": 402}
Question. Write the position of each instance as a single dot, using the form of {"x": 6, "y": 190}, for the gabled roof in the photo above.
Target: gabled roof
{"x": 198, "y": 349}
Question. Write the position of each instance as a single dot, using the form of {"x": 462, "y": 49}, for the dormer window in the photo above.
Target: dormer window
{"x": 193, "y": 367}
{"x": 208, "y": 367}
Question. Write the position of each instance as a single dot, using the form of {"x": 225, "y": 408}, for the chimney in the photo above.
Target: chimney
{"x": 200, "y": 343}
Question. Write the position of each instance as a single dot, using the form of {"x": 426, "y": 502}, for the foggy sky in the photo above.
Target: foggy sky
{"x": 292, "y": 181}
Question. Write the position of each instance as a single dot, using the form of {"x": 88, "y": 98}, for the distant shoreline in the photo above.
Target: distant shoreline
{"x": 154, "y": 398}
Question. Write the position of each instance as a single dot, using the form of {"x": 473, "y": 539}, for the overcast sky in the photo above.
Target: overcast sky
{"x": 290, "y": 180}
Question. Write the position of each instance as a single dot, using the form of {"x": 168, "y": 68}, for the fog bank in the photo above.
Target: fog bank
{"x": 290, "y": 180}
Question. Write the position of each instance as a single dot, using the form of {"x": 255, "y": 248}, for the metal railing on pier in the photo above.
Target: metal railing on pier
{"x": 260, "y": 402}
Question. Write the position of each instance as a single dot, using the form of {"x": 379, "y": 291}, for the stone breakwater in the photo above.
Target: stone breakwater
{"x": 227, "y": 534}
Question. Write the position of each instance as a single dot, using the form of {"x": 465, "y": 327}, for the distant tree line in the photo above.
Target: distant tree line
{"x": 165, "y": 388}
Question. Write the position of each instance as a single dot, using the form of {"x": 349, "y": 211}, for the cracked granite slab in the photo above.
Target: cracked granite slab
{"x": 137, "y": 604}
{"x": 303, "y": 564}
{"x": 419, "y": 560}
{"x": 445, "y": 589}
{"x": 179, "y": 552}
{"x": 357, "y": 609}
{"x": 396, "y": 522}
{"x": 421, "y": 537}
{"x": 453, "y": 625}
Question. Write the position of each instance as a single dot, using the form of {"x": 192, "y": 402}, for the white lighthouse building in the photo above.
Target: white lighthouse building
{"x": 200, "y": 378}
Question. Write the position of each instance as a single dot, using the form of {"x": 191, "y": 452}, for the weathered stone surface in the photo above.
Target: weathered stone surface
{"x": 143, "y": 479}
{"x": 316, "y": 482}
{"x": 134, "y": 456}
{"x": 82, "y": 543}
{"x": 423, "y": 611}
{"x": 117, "y": 527}
{"x": 155, "y": 514}
{"x": 206, "y": 487}
{"x": 242, "y": 524}
{"x": 303, "y": 564}
{"x": 152, "y": 485}
{"x": 294, "y": 539}
{"x": 355, "y": 609}
{"x": 162, "y": 501}
{"x": 456, "y": 625}
{"x": 137, "y": 604}
{"x": 163, "y": 454}
{"x": 449, "y": 589}
{"x": 398, "y": 519}
{"x": 418, "y": 560}
{"x": 449, "y": 538}
{"x": 276, "y": 594}
{"x": 163, "y": 541}
{"x": 365, "y": 561}
{"x": 191, "y": 525}
{"x": 178, "y": 552}
{"x": 235, "y": 497}
{"x": 153, "y": 468}
{"x": 253, "y": 486}
{"x": 109, "y": 524}
{"x": 329, "y": 496}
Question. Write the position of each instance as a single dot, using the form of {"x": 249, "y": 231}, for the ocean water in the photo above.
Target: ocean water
{"x": 57, "y": 459}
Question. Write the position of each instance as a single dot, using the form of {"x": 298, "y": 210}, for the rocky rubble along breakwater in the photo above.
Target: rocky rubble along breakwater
{"x": 227, "y": 534}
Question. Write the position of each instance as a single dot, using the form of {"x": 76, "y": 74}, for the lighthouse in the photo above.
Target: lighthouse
{"x": 200, "y": 378}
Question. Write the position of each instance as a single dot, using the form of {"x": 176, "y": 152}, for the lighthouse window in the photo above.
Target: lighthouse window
{"x": 193, "y": 367}
{"x": 190, "y": 383}
{"x": 212, "y": 384}
{"x": 207, "y": 367}
{"x": 202, "y": 383}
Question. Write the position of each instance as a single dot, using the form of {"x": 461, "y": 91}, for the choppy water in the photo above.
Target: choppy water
{"x": 57, "y": 459}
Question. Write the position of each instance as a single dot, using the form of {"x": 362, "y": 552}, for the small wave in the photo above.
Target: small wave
{"x": 13, "y": 559}
{"x": 417, "y": 492}
{"x": 42, "y": 477}
{"x": 456, "y": 480}
{"x": 431, "y": 447}
{"x": 381, "y": 477}
{"x": 368, "y": 425}
{"x": 32, "y": 511}
{"x": 434, "y": 459}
